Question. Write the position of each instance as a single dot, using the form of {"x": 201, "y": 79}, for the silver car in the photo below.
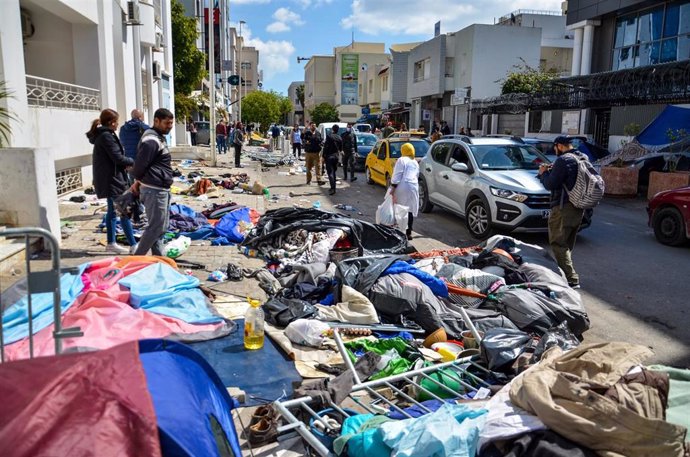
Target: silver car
{"x": 491, "y": 182}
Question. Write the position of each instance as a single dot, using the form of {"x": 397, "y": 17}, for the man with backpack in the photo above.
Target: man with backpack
{"x": 131, "y": 132}
{"x": 575, "y": 186}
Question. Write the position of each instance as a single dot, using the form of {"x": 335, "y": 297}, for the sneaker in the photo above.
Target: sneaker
{"x": 574, "y": 285}
{"x": 116, "y": 248}
{"x": 263, "y": 432}
{"x": 133, "y": 249}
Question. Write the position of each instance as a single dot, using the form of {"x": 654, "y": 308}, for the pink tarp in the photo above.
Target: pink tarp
{"x": 103, "y": 313}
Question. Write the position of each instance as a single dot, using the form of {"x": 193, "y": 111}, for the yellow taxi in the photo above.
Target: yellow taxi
{"x": 378, "y": 167}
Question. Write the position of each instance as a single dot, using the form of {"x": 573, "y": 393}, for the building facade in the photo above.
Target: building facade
{"x": 319, "y": 84}
{"x": 65, "y": 60}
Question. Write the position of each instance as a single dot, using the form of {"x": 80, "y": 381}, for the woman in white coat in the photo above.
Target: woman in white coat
{"x": 405, "y": 184}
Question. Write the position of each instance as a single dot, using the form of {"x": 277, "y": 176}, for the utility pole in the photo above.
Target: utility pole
{"x": 212, "y": 78}
{"x": 241, "y": 68}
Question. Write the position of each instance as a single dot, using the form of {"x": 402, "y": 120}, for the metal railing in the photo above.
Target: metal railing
{"x": 57, "y": 94}
{"x": 517, "y": 13}
{"x": 40, "y": 282}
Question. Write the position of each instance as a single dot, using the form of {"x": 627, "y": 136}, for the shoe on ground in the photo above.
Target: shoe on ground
{"x": 353, "y": 179}
{"x": 263, "y": 432}
{"x": 133, "y": 249}
{"x": 574, "y": 285}
{"x": 263, "y": 412}
{"x": 116, "y": 248}
{"x": 331, "y": 192}
{"x": 409, "y": 235}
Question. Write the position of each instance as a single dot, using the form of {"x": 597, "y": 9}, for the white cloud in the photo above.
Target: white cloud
{"x": 284, "y": 19}
{"x": 412, "y": 17}
{"x": 307, "y": 3}
{"x": 246, "y": 2}
{"x": 274, "y": 55}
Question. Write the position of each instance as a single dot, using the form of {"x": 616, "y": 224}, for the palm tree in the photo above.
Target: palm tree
{"x": 5, "y": 115}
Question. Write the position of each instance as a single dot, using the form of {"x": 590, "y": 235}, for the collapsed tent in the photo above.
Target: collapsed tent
{"x": 133, "y": 298}
{"x": 153, "y": 398}
{"x": 674, "y": 118}
{"x": 367, "y": 237}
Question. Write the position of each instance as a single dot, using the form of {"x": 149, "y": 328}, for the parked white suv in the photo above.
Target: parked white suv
{"x": 491, "y": 182}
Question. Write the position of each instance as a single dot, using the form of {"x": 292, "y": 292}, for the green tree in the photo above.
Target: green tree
{"x": 286, "y": 108}
{"x": 189, "y": 63}
{"x": 261, "y": 107}
{"x": 300, "y": 94}
{"x": 527, "y": 80}
{"x": 324, "y": 113}
{"x": 5, "y": 115}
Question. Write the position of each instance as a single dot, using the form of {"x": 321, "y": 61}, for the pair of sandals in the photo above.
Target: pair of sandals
{"x": 263, "y": 428}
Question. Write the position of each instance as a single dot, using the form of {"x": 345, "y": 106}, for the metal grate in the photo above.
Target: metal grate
{"x": 68, "y": 180}
{"x": 57, "y": 94}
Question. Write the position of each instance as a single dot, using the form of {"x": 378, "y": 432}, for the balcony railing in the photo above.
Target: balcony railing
{"x": 56, "y": 94}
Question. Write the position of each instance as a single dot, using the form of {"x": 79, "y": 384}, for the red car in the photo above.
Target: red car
{"x": 669, "y": 216}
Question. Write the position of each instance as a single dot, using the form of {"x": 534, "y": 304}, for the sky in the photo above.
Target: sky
{"x": 283, "y": 30}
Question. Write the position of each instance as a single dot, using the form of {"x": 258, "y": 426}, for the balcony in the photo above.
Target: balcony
{"x": 48, "y": 93}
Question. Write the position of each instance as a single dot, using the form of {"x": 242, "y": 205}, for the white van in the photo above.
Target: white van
{"x": 325, "y": 128}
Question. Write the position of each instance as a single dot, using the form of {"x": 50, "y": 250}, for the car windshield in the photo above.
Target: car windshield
{"x": 420, "y": 148}
{"x": 363, "y": 128}
{"x": 507, "y": 157}
{"x": 366, "y": 140}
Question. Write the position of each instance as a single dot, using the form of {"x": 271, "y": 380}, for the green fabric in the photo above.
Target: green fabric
{"x": 449, "y": 378}
{"x": 678, "y": 410}
{"x": 360, "y": 432}
{"x": 395, "y": 366}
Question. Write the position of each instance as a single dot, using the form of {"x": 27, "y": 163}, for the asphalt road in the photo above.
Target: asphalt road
{"x": 634, "y": 288}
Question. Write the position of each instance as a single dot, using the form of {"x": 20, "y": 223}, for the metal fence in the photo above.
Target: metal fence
{"x": 57, "y": 94}
{"x": 68, "y": 180}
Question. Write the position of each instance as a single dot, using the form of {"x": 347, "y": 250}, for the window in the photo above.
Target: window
{"x": 422, "y": 70}
{"x": 440, "y": 153}
{"x": 657, "y": 35}
{"x": 371, "y": 86}
{"x": 382, "y": 152}
{"x": 450, "y": 64}
{"x": 360, "y": 91}
{"x": 246, "y": 65}
{"x": 384, "y": 83}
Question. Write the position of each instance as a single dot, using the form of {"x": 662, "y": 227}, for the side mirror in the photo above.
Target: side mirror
{"x": 459, "y": 166}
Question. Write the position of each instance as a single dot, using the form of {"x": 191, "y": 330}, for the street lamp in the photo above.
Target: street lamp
{"x": 241, "y": 66}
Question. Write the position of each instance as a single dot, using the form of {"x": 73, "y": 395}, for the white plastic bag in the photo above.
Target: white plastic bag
{"x": 385, "y": 214}
{"x": 401, "y": 216}
{"x": 177, "y": 247}
{"x": 307, "y": 332}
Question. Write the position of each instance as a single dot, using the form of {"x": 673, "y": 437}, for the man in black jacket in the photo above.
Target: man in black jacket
{"x": 332, "y": 148}
{"x": 312, "y": 150}
{"x": 154, "y": 176}
{"x": 349, "y": 151}
{"x": 565, "y": 219}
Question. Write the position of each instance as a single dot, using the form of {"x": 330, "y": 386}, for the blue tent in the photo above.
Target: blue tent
{"x": 193, "y": 407}
{"x": 673, "y": 117}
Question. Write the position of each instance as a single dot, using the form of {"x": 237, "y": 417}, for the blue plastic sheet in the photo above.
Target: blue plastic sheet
{"x": 15, "y": 319}
{"x": 437, "y": 286}
{"x": 161, "y": 289}
{"x": 234, "y": 225}
{"x": 186, "y": 393}
{"x": 674, "y": 118}
{"x": 265, "y": 374}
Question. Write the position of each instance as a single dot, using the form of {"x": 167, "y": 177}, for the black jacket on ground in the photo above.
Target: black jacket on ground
{"x": 109, "y": 163}
{"x": 312, "y": 141}
{"x": 349, "y": 142}
{"x": 563, "y": 172}
{"x": 153, "y": 164}
{"x": 333, "y": 145}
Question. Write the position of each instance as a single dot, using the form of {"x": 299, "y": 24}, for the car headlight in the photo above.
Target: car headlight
{"x": 508, "y": 194}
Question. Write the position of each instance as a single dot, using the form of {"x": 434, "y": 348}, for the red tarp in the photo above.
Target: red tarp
{"x": 88, "y": 404}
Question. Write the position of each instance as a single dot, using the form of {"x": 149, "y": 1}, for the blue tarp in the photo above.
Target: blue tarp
{"x": 15, "y": 319}
{"x": 161, "y": 289}
{"x": 186, "y": 395}
{"x": 272, "y": 373}
{"x": 673, "y": 117}
{"x": 233, "y": 226}
{"x": 437, "y": 286}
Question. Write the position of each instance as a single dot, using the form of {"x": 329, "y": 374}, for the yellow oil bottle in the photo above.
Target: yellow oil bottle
{"x": 254, "y": 325}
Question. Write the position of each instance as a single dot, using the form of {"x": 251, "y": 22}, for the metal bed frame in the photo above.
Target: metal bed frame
{"x": 41, "y": 282}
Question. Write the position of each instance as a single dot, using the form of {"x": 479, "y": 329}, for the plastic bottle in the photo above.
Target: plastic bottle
{"x": 254, "y": 326}
{"x": 249, "y": 252}
{"x": 267, "y": 192}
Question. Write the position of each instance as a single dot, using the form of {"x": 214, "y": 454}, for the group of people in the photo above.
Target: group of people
{"x": 137, "y": 161}
{"x": 232, "y": 134}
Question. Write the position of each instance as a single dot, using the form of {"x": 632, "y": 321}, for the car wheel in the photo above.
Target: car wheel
{"x": 367, "y": 173}
{"x": 669, "y": 227}
{"x": 478, "y": 219}
{"x": 425, "y": 205}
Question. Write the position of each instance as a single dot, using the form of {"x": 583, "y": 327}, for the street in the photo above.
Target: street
{"x": 634, "y": 288}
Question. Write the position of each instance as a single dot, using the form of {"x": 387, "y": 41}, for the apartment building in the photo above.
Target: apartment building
{"x": 319, "y": 83}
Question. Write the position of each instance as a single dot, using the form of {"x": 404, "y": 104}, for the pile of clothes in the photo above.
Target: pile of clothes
{"x": 223, "y": 224}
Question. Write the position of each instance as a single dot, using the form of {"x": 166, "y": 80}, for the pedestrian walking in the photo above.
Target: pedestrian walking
{"x": 110, "y": 179}
{"x": 131, "y": 132}
{"x": 191, "y": 128}
{"x": 404, "y": 184}
{"x": 312, "y": 153}
{"x": 296, "y": 140}
{"x": 387, "y": 130}
{"x": 445, "y": 128}
{"x": 332, "y": 148}
{"x": 275, "y": 137}
{"x": 349, "y": 152}
{"x": 565, "y": 218}
{"x": 154, "y": 176}
{"x": 221, "y": 133}
{"x": 237, "y": 143}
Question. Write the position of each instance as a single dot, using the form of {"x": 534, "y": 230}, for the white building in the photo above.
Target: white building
{"x": 64, "y": 61}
